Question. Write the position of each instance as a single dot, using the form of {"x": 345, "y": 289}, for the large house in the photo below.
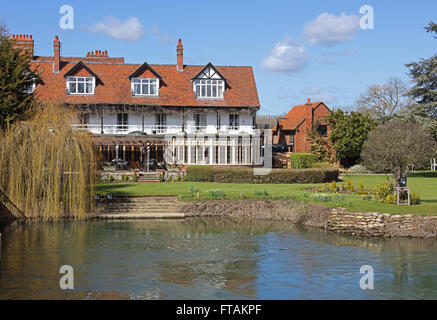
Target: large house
{"x": 293, "y": 130}
{"x": 145, "y": 114}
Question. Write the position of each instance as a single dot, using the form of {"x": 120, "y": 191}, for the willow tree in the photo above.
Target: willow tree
{"x": 46, "y": 167}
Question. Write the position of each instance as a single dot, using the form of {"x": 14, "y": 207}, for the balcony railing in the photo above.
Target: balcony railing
{"x": 161, "y": 129}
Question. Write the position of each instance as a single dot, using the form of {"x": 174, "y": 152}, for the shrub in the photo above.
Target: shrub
{"x": 322, "y": 165}
{"x": 350, "y": 186}
{"x": 334, "y": 186}
{"x": 321, "y": 197}
{"x": 178, "y": 177}
{"x": 111, "y": 178}
{"x": 359, "y": 169}
{"x": 262, "y": 193}
{"x": 216, "y": 193}
{"x": 135, "y": 177}
{"x": 302, "y": 160}
{"x": 390, "y": 199}
{"x": 382, "y": 191}
{"x": 423, "y": 174}
{"x": 199, "y": 174}
{"x": 414, "y": 198}
{"x": 245, "y": 175}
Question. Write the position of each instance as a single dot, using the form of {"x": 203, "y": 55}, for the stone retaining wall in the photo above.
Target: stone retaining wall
{"x": 381, "y": 224}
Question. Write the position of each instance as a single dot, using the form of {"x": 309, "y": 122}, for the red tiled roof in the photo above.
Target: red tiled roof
{"x": 296, "y": 116}
{"x": 115, "y": 86}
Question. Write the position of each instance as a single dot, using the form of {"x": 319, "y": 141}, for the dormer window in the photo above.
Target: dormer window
{"x": 81, "y": 85}
{"x": 145, "y": 87}
{"x": 209, "y": 88}
{"x": 209, "y": 83}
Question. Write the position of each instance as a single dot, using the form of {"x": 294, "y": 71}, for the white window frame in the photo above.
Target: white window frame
{"x": 145, "y": 81}
{"x": 31, "y": 88}
{"x": 204, "y": 88}
{"x": 83, "y": 80}
{"x": 234, "y": 121}
{"x": 200, "y": 121}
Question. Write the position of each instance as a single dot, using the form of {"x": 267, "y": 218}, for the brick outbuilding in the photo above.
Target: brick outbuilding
{"x": 294, "y": 129}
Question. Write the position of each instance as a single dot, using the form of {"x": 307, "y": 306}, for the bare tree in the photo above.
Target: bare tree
{"x": 391, "y": 147}
{"x": 382, "y": 101}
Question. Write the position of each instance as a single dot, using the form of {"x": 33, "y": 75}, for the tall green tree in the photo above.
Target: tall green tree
{"x": 16, "y": 77}
{"x": 423, "y": 74}
{"x": 348, "y": 133}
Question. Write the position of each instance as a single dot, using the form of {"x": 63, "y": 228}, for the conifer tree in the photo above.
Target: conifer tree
{"x": 16, "y": 78}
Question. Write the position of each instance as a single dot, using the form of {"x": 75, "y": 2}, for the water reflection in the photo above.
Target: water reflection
{"x": 209, "y": 259}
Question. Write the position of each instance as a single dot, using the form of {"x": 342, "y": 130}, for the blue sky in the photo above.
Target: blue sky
{"x": 298, "y": 49}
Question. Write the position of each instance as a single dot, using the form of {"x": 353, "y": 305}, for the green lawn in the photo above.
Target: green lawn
{"x": 426, "y": 188}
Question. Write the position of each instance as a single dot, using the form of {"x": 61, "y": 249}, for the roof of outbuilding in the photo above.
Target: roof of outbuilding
{"x": 296, "y": 116}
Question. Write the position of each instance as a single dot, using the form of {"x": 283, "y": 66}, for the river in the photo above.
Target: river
{"x": 209, "y": 259}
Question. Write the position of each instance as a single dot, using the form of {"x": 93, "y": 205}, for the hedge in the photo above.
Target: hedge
{"x": 302, "y": 160}
{"x": 245, "y": 175}
{"x": 423, "y": 174}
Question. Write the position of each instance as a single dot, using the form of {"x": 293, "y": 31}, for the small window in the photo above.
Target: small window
{"x": 323, "y": 130}
{"x": 212, "y": 89}
{"x": 31, "y": 89}
{"x": 160, "y": 122}
{"x": 234, "y": 121}
{"x": 84, "y": 119}
{"x": 145, "y": 87}
{"x": 81, "y": 85}
{"x": 200, "y": 121}
{"x": 122, "y": 121}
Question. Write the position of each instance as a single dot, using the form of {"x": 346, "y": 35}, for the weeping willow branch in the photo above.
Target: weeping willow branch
{"x": 47, "y": 169}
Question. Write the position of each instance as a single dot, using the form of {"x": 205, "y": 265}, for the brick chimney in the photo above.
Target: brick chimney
{"x": 23, "y": 41}
{"x": 57, "y": 55}
{"x": 180, "y": 56}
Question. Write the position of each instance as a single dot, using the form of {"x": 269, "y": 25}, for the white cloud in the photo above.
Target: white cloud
{"x": 129, "y": 30}
{"x": 329, "y": 29}
{"x": 286, "y": 56}
{"x": 163, "y": 37}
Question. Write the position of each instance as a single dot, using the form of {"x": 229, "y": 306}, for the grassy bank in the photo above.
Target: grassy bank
{"x": 424, "y": 186}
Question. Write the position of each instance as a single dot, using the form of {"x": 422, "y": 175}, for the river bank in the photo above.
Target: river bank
{"x": 338, "y": 220}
